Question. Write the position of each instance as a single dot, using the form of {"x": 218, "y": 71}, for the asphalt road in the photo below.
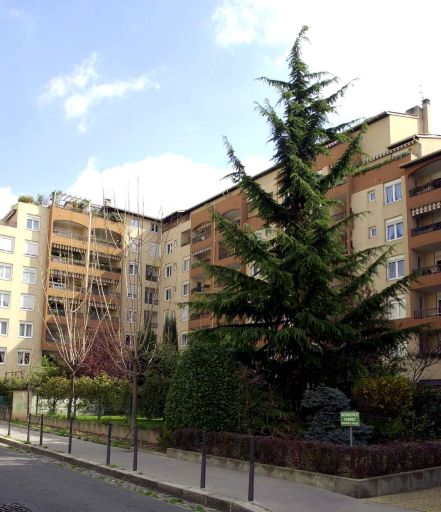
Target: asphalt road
{"x": 45, "y": 486}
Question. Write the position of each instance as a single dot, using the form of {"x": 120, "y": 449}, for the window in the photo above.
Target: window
{"x": 2, "y": 355}
{"x": 154, "y": 228}
{"x": 5, "y": 299}
{"x": 167, "y": 294}
{"x": 6, "y": 244}
{"x": 183, "y": 339}
{"x": 394, "y": 229}
{"x": 151, "y": 273}
{"x": 132, "y": 291}
{"x": 154, "y": 250}
{"x": 133, "y": 268}
{"x": 186, "y": 264}
{"x": 168, "y": 270}
{"x": 150, "y": 296}
{"x": 185, "y": 289}
{"x": 27, "y": 302}
{"x": 184, "y": 313}
{"x": 397, "y": 308}
{"x": 135, "y": 223}
{"x": 5, "y": 271}
{"x": 134, "y": 244}
{"x": 168, "y": 248}
{"x": 371, "y": 196}
{"x": 131, "y": 316}
{"x": 33, "y": 223}
{"x": 29, "y": 275}
{"x": 372, "y": 232}
{"x": 3, "y": 327}
{"x": 130, "y": 338}
{"x": 392, "y": 192}
{"x": 395, "y": 268}
{"x": 169, "y": 315}
{"x": 25, "y": 330}
{"x": 31, "y": 248}
{"x": 23, "y": 357}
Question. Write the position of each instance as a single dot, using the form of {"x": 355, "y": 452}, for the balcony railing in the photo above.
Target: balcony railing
{"x": 200, "y": 289}
{"x": 73, "y": 236}
{"x": 434, "y": 269}
{"x": 199, "y": 237}
{"x": 426, "y": 229}
{"x": 198, "y": 316}
{"x": 425, "y": 188}
{"x": 339, "y": 216}
{"x": 225, "y": 253}
{"x": 427, "y": 313}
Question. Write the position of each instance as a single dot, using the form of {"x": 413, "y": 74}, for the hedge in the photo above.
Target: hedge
{"x": 328, "y": 458}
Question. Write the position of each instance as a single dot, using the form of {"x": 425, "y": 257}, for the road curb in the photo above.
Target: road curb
{"x": 188, "y": 493}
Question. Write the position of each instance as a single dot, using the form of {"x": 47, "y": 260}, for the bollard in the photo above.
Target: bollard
{"x": 135, "y": 448}
{"x": 9, "y": 422}
{"x": 69, "y": 447}
{"x": 28, "y": 436}
{"x": 109, "y": 442}
{"x": 251, "y": 474}
{"x": 41, "y": 431}
{"x": 203, "y": 459}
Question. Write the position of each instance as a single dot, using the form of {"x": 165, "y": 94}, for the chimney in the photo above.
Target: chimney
{"x": 426, "y": 116}
{"x": 107, "y": 202}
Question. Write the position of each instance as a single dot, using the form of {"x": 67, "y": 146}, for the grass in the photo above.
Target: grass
{"x": 144, "y": 423}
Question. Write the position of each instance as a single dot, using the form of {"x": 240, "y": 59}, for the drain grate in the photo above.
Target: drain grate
{"x": 14, "y": 507}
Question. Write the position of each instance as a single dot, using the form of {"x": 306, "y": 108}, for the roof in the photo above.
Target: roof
{"x": 424, "y": 158}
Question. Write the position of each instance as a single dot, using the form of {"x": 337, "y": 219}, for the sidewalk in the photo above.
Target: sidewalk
{"x": 270, "y": 493}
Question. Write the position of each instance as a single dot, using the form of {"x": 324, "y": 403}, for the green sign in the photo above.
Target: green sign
{"x": 350, "y": 419}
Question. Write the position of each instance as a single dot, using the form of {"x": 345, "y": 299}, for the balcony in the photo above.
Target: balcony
{"x": 200, "y": 288}
{"x": 338, "y": 216}
{"x": 428, "y": 187}
{"x": 225, "y": 253}
{"x": 425, "y": 229}
{"x": 426, "y": 313}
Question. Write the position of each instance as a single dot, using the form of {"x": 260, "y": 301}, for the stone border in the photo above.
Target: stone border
{"x": 188, "y": 493}
{"x": 357, "y": 488}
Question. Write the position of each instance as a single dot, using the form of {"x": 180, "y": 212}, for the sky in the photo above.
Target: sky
{"x": 130, "y": 99}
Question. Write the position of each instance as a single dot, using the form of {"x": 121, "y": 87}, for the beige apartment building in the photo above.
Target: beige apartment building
{"x": 146, "y": 265}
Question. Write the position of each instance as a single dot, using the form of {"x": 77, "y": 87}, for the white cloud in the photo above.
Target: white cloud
{"x": 160, "y": 185}
{"x": 81, "y": 89}
{"x": 7, "y": 199}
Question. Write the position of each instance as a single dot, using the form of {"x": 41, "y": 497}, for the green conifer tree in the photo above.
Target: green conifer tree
{"x": 291, "y": 315}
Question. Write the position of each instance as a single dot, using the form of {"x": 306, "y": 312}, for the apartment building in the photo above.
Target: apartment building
{"x": 144, "y": 267}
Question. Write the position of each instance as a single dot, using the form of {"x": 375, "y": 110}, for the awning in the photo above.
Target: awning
{"x": 426, "y": 208}
{"x": 202, "y": 226}
{"x": 64, "y": 273}
{"x": 68, "y": 247}
{"x": 201, "y": 251}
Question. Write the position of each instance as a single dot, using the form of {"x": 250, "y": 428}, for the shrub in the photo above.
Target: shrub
{"x": 204, "y": 390}
{"x": 323, "y": 406}
{"x": 328, "y": 458}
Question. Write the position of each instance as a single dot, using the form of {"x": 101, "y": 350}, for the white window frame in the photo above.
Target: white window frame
{"x": 23, "y": 353}
{"x": 22, "y": 298}
{"x": 3, "y": 351}
{"x": 32, "y": 272}
{"x": 130, "y": 340}
{"x": 2, "y": 294}
{"x": 135, "y": 223}
{"x": 168, "y": 271}
{"x": 154, "y": 227}
{"x": 154, "y": 250}
{"x": 395, "y": 196}
{"x": 397, "y": 308}
{"x": 371, "y": 196}
{"x": 26, "y": 326}
{"x": 131, "y": 316}
{"x": 169, "y": 248}
{"x": 167, "y": 294}
{"x": 28, "y": 245}
{"x": 396, "y": 264}
{"x": 184, "y": 339}
{"x": 185, "y": 313}
{"x": 186, "y": 264}
{"x": 3, "y": 268}
{"x": 11, "y": 239}
{"x": 185, "y": 290}
{"x": 132, "y": 291}
{"x": 394, "y": 222}
{"x": 33, "y": 222}
{"x": 5, "y": 322}
{"x": 373, "y": 232}
{"x": 135, "y": 244}
{"x": 133, "y": 268}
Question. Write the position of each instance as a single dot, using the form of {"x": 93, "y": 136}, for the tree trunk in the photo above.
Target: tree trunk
{"x": 71, "y": 396}
{"x": 134, "y": 401}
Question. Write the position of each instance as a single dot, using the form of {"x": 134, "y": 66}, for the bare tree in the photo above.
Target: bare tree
{"x": 417, "y": 361}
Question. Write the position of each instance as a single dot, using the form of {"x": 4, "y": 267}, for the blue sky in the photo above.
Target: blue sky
{"x": 129, "y": 99}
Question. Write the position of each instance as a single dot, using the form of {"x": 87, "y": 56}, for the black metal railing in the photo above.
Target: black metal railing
{"x": 199, "y": 237}
{"x": 426, "y": 229}
{"x": 225, "y": 253}
{"x": 425, "y": 188}
{"x": 434, "y": 269}
{"x": 426, "y": 313}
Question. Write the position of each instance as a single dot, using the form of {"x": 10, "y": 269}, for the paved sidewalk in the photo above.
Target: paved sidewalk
{"x": 270, "y": 493}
